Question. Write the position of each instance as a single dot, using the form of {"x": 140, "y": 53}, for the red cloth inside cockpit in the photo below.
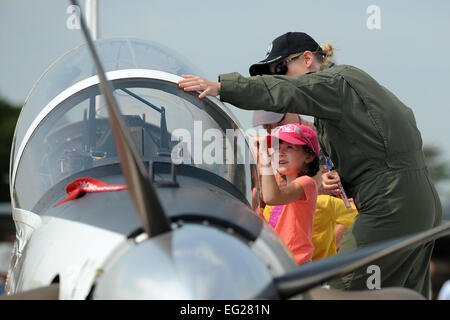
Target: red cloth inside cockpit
{"x": 81, "y": 186}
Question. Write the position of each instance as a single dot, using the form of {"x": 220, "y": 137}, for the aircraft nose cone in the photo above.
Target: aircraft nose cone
{"x": 193, "y": 262}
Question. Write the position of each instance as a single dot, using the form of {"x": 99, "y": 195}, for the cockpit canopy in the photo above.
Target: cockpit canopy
{"x": 64, "y": 127}
{"x": 77, "y": 65}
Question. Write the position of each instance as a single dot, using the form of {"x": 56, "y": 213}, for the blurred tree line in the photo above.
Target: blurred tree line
{"x": 8, "y": 118}
{"x": 437, "y": 166}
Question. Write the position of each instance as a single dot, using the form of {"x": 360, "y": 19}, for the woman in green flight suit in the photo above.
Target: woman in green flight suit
{"x": 369, "y": 134}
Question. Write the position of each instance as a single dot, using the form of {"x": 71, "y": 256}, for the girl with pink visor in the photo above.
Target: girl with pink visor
{"x": 296, "y": 159}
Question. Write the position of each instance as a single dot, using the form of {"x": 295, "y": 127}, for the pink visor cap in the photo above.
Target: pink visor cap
{"x": 297, "y": 134}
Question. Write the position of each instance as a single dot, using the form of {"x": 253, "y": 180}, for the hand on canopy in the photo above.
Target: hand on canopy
{"x": 194, "y": 83}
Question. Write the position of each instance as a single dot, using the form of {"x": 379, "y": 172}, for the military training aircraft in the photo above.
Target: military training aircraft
{"x": 102, "y": 211}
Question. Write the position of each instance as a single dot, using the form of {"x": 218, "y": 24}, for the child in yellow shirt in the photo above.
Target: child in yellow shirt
{"x": 330, "y": 212}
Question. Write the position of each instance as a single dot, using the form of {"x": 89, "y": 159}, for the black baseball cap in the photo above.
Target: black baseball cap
{"x": 282, "y": 47}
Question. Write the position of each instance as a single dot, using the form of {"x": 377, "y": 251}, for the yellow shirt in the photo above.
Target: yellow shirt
{"x": 330, "y": 211}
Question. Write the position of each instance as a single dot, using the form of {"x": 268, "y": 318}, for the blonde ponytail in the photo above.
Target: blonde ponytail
{"x": 326, "y": 54}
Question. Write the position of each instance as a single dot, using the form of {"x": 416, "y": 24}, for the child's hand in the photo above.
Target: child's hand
{"x": 265, "y": 159}
{"x": 263, "y": 151}
{"x": 255, "y": 138}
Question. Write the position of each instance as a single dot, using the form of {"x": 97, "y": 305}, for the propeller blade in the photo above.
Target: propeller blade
{"x": 313, "y": 274}
{"x": 50, "y": 292}
{"x": 151, "y": 214}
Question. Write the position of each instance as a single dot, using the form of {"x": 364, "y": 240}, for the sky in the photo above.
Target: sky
{"x": 403, "y": 44}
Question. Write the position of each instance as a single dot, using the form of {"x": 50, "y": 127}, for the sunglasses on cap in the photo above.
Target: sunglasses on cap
{"x": 281, "y": 68}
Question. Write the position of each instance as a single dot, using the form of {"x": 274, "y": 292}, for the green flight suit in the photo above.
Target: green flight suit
{"x": 373, "y": 140}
